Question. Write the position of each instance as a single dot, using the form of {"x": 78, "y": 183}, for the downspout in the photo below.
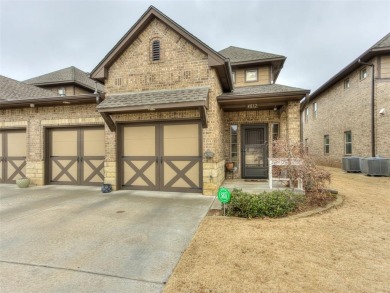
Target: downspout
{"x": 373, "y": 153}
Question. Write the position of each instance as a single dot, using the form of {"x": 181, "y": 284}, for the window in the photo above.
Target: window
{"x": 315, "y": 108}
{"x": 156, "y": 50}
{"x": 306, "y": 114}
{"x": 348, "y": 142}
{"x": 251, "y": 75}
{"x": 62, "y": 91}
{"x": 233, "y": 145}
{"x": 326, "y": 144}
{"x": 363, "y": 73}
{"x": 275, "y": 131}
{"x": 346, "y": 84}
{"x": 234, "y": 76}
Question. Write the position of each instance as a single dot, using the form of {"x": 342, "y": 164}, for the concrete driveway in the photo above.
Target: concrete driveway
{"x": 76, "y": 239}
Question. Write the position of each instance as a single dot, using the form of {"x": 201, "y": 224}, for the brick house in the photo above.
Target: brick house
{"x": 173, "y": 112}
{"x": 349, "y": 114}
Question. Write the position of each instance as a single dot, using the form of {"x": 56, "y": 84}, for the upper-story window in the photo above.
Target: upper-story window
{"x": 156, "y": 50}
{"x": 62, "y": 91}
{"x": 306, "y": 114}
{"x": 315, "y": 109}
{"x": 346, "y": 83}
{"x": 363, "y": 73}
{"x": 251, "y": 75}
{"x": 234, "y": 76}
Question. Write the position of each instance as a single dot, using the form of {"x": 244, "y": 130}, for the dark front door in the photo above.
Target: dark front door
{"x": 12, "y": 155}
{"x": 76, "y": 156}
{"x": 254, "y": 151}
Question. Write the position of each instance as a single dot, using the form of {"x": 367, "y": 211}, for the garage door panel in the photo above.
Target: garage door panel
{"x": 12, "y": 155}
{"x": 138, "y": 172}
{"x": 64, "y": 143}
{"x": 181, "y": 140}
{"x": 77, "y": 156}
{"x": 16, "y": 144}
{"x": 139, "y": 141}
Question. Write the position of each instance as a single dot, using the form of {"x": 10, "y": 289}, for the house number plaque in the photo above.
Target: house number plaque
{"x": 252, "y": 106}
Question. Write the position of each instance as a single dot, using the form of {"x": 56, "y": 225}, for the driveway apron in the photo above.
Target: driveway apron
{"x": 68, "y": 238}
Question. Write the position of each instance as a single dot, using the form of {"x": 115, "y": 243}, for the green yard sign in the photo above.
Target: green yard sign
{"x": 224, "y": 195}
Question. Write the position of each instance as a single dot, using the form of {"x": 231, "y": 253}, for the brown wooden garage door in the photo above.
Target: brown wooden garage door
{"x": 161, "y": 156}
{"x": 12, "y": 155}
{"x": 76, "y": 156}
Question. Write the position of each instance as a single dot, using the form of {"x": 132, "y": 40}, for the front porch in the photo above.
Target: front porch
{"x": 253, "y": 186}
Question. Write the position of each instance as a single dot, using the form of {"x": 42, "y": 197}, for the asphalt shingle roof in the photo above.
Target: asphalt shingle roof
{"x": 155, "y": 97}
{"x": 11, "y": 89}
{"x": 263, "y": 89}
{"x": 383, "y": 43}
{"x": 237, "y": 55}
{"x": 70, "y": 74}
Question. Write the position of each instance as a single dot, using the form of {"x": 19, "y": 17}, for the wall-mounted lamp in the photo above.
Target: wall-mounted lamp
{"x": 382, "y": 111}
{"x": 209, "y": 154}
{"x": 275, "y": 109}
{"x": 32, "y": 105}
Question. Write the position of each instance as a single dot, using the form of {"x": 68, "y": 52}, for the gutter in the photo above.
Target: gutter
{"x": 373, "y": 153}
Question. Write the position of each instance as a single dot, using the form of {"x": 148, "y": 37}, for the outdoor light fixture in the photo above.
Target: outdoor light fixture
{"x": 208, "y": 154}
{"x": 382, "y": 111}
{"x": 66, "y": 102}
{"x": 32, "y": 105}
{"x": 275, "y": 109}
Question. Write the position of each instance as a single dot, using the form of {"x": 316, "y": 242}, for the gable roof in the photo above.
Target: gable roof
{"x": 100, "y": 72}
{"x": 12, "y": 90}
{"x": 380, "y": 47}
{"x": 239, "y": 55}
{"x": 66, "y": 75}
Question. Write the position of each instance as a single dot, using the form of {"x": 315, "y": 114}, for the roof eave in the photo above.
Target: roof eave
{"x": 258, "y": 61}
{"x": 293, "y": 94}
{"x": 49, "y": 101}
{"x": 366, "y": 56}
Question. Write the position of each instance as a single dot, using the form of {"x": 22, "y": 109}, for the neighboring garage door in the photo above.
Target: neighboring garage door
{"x": 161, "y": 156}
{"x": 12, "y": 155}
{"x": 76, "y": 156}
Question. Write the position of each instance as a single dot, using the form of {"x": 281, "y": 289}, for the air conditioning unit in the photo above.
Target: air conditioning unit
{"x": 351, "y": 164}
{"x": 375, "y": 166}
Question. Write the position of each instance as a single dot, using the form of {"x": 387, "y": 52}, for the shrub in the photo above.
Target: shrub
{"x": 267, "y": 204}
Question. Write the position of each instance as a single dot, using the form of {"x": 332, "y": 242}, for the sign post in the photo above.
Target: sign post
{"x": 224, "y": 197}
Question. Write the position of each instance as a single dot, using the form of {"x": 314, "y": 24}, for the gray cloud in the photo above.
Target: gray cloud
{"x": 318, "y": 37}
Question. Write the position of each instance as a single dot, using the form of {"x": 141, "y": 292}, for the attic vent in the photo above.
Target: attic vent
{"x": 156, "y": 50}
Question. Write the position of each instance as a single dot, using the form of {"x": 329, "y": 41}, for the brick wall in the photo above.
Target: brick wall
{"x": 181, "y": 66}
{"x": 35, "y": 120}
{"x": 341, "y": 110}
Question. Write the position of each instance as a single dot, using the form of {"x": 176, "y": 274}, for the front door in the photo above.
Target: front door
{"x": 76, "y": 156}
{"x": 161, "y": 156}
{"x": 12, "y": 155}
{"x": 254, "y": 152}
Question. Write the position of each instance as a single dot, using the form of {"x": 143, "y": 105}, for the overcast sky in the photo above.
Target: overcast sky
{"x": 318, "y": 37}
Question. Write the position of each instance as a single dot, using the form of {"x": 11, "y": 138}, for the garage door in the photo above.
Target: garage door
{"x": 12, "y": 155}
{"x": 161, "y": 156}
{"x": 76, "y": 156}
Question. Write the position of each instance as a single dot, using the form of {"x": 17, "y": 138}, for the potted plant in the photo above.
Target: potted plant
{"x": 229, "y": 166}
{"x": 23, "y": 182}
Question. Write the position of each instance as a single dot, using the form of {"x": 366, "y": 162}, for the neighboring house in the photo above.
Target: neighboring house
{"x": 174, "y": 112}
{"x": 349, "y": 115}
{"x": 69, "y": 81}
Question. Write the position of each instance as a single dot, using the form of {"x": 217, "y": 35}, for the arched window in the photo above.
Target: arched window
{"x": 156, "y": 50}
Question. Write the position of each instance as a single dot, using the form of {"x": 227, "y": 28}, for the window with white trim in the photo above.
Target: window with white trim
{"x": 348, "y": 143}
{"x": 326, "y": 144}
{"x": 315, "y": 108}
{"x": 251, "y": 75}
{"x": 233, "y": 145}
{"x": 363, "y": 73}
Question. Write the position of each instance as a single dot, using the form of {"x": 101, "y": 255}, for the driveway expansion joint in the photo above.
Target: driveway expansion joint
{"x": 80, "y": 271}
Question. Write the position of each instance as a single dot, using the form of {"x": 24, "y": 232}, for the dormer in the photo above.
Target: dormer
{"x": 251, "y": 67}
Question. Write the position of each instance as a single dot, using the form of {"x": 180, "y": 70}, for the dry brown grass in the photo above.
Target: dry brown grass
{"x": 343, "y": 250}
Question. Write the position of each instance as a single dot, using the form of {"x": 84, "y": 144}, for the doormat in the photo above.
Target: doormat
{"x": 256, "y": 180}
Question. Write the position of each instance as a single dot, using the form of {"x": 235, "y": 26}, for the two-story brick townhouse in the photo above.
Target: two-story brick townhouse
{"x": 174, "y": 112}
{"x": 171, "y": 100}
{"x": 68, "y": 81}
{"x": 349, "y": 115}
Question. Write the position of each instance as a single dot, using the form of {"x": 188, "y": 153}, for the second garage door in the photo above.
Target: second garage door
{"x": 76, "y": 156}
{"x": 161, "y": 156}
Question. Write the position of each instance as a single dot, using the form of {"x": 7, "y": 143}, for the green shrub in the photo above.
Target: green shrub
{"x": 267, "y": 204}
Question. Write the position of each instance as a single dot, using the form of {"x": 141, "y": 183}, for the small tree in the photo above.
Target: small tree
{"x": 313, "y": 178}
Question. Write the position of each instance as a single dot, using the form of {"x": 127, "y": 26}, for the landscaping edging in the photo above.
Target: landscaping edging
{"x": 336, "y": 203}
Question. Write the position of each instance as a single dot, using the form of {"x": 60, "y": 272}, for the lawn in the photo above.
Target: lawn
{"x": 346, "y": 249}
